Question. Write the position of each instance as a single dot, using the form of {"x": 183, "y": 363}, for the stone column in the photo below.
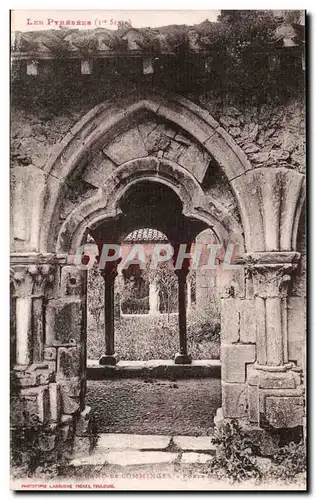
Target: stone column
{"x": 23, "y": 308}
{"x": 271, "y": 276}
{"x": 153, "y": 297}
{"x": 41, "y": 275}
{"x": 189, "y": 294}
{"x": 275, "y": 390}
{"x": 109, "y": 275}
{"x": 182, "y": 357}
{"x": 30, "y": 282}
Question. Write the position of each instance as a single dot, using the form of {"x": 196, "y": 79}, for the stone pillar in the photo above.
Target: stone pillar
{"x": 65, "y": 348}
{"x": 189, "y": 295}
{"x": 271, "y": 276}
{"x": 275, "y": 387}
{"x": 182, "y": 357}
{"x": 154, "y": 298}
{"x": 50, "y": 370}
{"x": 42, "y": 276}
{"x": 34, "y": 278}
{"x": 109, "y": 275}
{"x": 23, "y": 325}
{"x": 65, "y": 336}
{"x": 30, "y": 282}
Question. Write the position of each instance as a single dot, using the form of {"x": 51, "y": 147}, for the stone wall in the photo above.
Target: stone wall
{"x": 263, "y": 326}
{"x": 49, "y": 372}
{"x": 268, "y": 134}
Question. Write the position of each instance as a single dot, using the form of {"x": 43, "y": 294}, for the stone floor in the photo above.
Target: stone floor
{"x": 155, "y": 406}
{"x": 148, "y": 462}
{"x": 154, "y": 462}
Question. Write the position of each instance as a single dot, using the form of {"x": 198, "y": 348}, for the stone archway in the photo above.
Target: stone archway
{"x": 172, "y": 141}
{"x": 105, "y": 204}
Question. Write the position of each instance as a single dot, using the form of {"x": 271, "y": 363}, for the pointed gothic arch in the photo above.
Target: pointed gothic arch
{"x": 99, "y": 128}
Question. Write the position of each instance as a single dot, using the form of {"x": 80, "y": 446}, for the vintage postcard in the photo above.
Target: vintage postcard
{"x": 158, "y": 258}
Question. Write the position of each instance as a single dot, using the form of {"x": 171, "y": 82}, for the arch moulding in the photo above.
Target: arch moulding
{"x": 105, "y": 204}
{"x": 106, "y": 121}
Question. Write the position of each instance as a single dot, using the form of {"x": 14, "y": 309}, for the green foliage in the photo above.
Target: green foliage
{"x": 292, "y": 16}
{"x": 177, "y": 38}
{"x": 144, "y": 337}
{"x": 57, "y": 43}
{"x": 289, "y": 462}
{"x": 26, "y": 441}
{"x": 204, "y": 326}
{"x": 125, "y": 295}
{"x": 240, "y": 54}
{"x": 135, "y": 305}
{"x": 234, "y": 458}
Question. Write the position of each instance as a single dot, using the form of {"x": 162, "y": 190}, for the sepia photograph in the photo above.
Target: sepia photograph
{"x": 158, "y": 250}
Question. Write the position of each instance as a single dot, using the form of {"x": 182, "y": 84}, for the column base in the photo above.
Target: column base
{"x": 107, "y": 360}
{"x": 265, "y": 440}
{"x": 182, "y": 359}
{"x": 272, "y": 368}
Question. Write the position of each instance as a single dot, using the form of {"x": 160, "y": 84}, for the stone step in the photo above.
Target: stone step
{"x": 154, "y": 442}
{"x": 126, "y": 458}
{"x": 132, "y": 441}
{"x": 134, "y": 457}
{"x": 194, "y": 443}
{"x": 155, "y": 368}
{"x": 135, "y": 449}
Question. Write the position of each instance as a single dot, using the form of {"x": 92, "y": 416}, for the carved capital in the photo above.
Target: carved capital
{"x": 44, "y": 274}
{"x": 31, "y": 280}
{"x": 271, "y": 280}
{"x": 23, "y": 282}
{"x": 271, "y": 272}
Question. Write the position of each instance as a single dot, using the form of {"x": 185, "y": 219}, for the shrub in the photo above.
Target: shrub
{"x": 34, "y": 450}
{"x": 203, "y": 326}
{"x": 289, "y": 463}
{"x": 234, "y": 458}
{"x": 26, "y": 446}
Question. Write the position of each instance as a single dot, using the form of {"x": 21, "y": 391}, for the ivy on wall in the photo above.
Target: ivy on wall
{"x": 251, "y": 55}
{"x": 242, "y": 74}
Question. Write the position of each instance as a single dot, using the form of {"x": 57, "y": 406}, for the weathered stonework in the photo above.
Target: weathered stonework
{"x": 235, "y": 400}
{"x": 297, "y": 330}
{"x": 237, "y": 169}
{"x": 230, "y": 320}
{"x": 63, "y": 322}
{"x": 234, "y": 358}
{"x": 284, "y": 411}
{"x": 274, "y": 374}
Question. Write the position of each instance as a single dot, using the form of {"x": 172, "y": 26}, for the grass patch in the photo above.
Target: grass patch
{"x": 144, "y": 337}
